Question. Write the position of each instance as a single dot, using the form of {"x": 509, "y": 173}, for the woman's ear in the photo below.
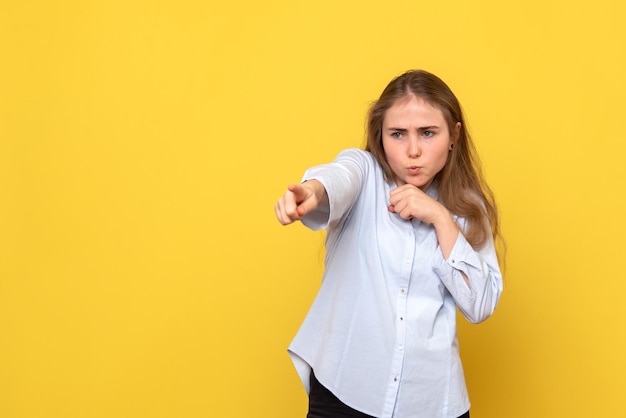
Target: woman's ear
{"x": 455, "y": 136}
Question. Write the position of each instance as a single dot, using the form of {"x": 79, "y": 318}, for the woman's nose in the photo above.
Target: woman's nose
{"x": 414, "y": 147}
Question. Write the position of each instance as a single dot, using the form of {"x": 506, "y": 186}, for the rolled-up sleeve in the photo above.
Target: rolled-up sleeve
{"x": 478, "y": 300}
{"x": 342, "y": 180}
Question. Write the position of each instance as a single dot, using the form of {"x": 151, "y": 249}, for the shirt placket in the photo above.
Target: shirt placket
{"x": 401, "y": 303}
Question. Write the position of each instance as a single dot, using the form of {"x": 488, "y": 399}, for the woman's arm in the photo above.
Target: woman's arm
{"x": 327, "y": 192}
{"x": 472, "y": 277}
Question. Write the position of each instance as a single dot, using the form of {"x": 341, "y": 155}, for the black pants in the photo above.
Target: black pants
{"x": 323, "y": 404}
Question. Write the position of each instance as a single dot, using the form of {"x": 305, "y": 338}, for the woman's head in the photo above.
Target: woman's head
{"x": 432, "y": 90}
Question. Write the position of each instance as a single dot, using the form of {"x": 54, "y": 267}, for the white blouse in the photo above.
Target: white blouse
{"x": 381, "y": 333}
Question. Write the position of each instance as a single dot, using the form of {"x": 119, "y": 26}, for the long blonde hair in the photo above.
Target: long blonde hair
{"x": 462, "y": 188}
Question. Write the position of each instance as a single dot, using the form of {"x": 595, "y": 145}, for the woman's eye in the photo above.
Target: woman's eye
{"x": 396, "y": 135}
{"x": 428, "y": 134}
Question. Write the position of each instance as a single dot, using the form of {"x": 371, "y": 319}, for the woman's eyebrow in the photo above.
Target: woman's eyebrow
{"x": 421, "y": 128}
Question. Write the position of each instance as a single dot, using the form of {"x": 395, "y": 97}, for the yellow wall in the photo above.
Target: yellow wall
{"x": 142, "y": 147}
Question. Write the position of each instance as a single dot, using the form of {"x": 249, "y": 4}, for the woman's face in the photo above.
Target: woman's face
{"x": 416, "y": 140}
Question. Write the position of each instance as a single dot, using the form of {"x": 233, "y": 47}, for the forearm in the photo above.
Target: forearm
{"x": 447, "y": 231}
{"x": 447, "y": 234}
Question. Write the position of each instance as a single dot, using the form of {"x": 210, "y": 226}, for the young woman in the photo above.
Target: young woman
{"x": 411, "y": 226}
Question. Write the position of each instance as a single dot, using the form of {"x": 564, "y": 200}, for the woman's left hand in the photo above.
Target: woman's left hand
{"x": 410, "y": 202}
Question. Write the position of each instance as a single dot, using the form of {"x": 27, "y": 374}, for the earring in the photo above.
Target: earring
{"x": 451, "y": 146}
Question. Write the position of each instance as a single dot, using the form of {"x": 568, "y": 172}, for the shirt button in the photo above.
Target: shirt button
{"x": 402, "y": 290}
{"x": 395, "y": 379}
{"x": 401, "y": 318}
{"x": 400, "y": 347}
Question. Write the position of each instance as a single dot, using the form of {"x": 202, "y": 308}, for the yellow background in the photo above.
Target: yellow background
{"x": 142, "y": 147}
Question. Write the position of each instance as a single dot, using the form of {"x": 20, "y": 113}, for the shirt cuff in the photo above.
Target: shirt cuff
{"x": 463, "y": 254}
{"x": 320, "y": 217}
